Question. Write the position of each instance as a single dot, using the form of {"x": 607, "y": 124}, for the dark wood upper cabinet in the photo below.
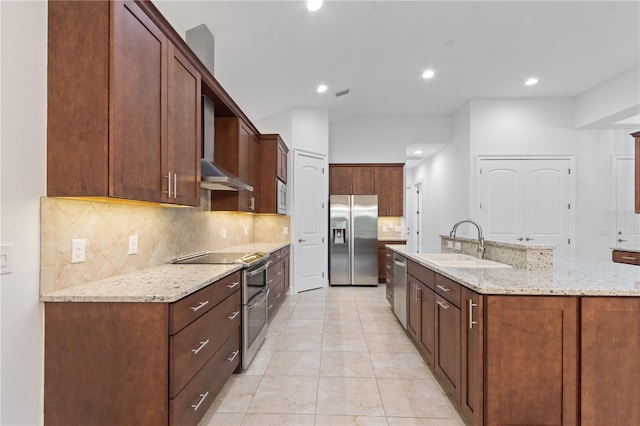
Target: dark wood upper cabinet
{"x": 390, "y": 189}
{"x": 238, "y": 151}
{"x": 636, "y": 135}
{"x": 351, "y": 179}
{"x": 273, "y": 166}
{"x": 123, "y": 109}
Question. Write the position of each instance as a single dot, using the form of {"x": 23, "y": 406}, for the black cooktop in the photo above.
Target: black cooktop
{"x": 245, "y": 258}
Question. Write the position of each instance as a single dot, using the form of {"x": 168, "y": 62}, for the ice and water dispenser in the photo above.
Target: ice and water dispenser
{"x": 338, "y": 232}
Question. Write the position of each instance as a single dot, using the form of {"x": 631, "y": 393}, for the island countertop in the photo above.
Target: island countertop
{"x": 163, "y": 283}
{"x": 576, "y": 278}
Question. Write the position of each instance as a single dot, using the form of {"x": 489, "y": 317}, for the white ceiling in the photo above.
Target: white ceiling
{"x": 271, "y": 55}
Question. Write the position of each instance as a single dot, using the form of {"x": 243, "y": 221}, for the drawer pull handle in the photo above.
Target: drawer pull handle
{"x": 279, "y": 273}
{"x": 388, "y": 267}
{"x": 232, "y": 285}
{"x": 203, "y": 396}
{"x": 233, "y": 356}
{"x": 199, "y": 348}
{"x": 270, "y": 306}
{"x": 388, "y": 280}
{"x": 278, "y": 295}
{"x": 270, "y": 281}
{"x": 388, "y": 255}
{"x": 195, "y": 308}
{"x": 628, "y": 258}
{"x": 233, "y": 315}
{"x": 443, "y": 288}
{"x": 444, "y": 305}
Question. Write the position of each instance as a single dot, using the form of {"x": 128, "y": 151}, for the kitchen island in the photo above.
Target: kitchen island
{"x": 515, "y": 346}
{"x": 153, "y": 346}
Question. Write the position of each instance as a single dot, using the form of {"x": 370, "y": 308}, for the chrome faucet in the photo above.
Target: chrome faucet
{"x": 452, "y": 234}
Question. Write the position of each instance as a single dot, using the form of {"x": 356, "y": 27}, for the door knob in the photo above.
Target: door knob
{"x": 621, "y": 240}
{"x": 300, "y": 240}
{"x": 520, "y": 239}
{"x": 528, "y": 239}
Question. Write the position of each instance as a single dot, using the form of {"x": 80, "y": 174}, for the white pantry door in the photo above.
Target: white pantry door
{"x": 528, "y": 201}
{"x": 310, "y": 216}
{"x": 627, "y": 222}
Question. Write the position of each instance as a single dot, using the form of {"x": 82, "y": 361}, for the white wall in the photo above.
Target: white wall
{"x": 22, "y": 176}
{"x": 445, "y": 177}
{"x": 383, "y": 139}
{"x": 610, "y": 101}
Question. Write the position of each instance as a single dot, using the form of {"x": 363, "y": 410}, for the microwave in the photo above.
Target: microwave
{"x": 281, "y": 197}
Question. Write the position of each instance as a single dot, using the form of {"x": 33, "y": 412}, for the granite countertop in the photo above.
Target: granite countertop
{"x": 164, "y": 283}
{"x": 576, "y": 278}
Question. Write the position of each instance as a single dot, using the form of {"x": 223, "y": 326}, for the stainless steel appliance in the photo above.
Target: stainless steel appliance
{"x": 400, "y": 288}
{"x": 282, "y": 196}
{"x": 353, "y": 240}
{"x": 254, "y": 294}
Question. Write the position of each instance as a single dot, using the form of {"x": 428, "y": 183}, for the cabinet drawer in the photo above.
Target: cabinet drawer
{"x": 389, "y": 295}
{"x": 448, "y": 289}
{"x": 275, "y": 256}
{"x": 192, "y": 403}
{"x": 629, "y": 257}
{"x": 285, "y": 251}
{"x": 194, "y": 345}
{"x": 425, "y": 275}
{"x": 185, "y": 310}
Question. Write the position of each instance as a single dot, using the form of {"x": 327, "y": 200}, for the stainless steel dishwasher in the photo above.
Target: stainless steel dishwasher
{"x": 400, "y": 288}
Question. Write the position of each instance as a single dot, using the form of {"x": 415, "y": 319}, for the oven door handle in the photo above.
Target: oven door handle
{"x": 262, "y": 299}
{"x": 260, "y": 269}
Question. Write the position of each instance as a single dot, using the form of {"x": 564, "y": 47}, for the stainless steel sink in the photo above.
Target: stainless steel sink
{"x": 456, "y": 260}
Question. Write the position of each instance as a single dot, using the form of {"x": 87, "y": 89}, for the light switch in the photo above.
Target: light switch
{"x": 398, "y": 228}
{"x": 77, "y": 250}
{"x": 457, "y": 245}
{"x": 285, "y": 230}
{"x": 449, "y": 244}
{"x": 384, "y": 228}
{"x": 224, "y": 234}
{"x": 133, "y": 244}
{"x": 6, "y": 259}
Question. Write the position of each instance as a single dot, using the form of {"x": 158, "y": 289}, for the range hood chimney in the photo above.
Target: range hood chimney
{"x": 213, "y": 176}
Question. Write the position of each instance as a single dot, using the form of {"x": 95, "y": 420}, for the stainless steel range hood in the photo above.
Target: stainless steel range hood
{"x": 216, "y": 178}
{"x": 213, "y": 176}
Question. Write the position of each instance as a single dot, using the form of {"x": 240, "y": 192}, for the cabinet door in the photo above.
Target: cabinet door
{"x": 364, "y": 179}
{"x": 282, "y": 163}
{"x": 395, "y": 191}
{"x": 382, "y": 189}
{"x": 447, "y": 347}
{"x": 472, "y": 327}
{"x": 138, "y": 112}
{"x": 531, "y": 360}
{"x": 254, "y": 171}
{"x": 183, "y": 129}
{"x": 610, "y": 368}
{"x": 427, "y": 326}
{"x": 340, "y": 180}
{"x": 244, "y": 141}
{"x": 413, "y": 305}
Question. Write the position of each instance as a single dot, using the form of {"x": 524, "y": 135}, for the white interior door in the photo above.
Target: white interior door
{"x": 310, "y": 221}
{"x": 528, "y": 200}
{"x": 627, "y": 222}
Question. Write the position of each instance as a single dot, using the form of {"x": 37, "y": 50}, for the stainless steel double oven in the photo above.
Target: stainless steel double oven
{"x": 254, "y": 293}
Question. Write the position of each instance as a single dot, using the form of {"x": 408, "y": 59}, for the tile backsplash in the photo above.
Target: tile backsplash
{"x": 387, "y": 228}
{"x": 163, "y": 234}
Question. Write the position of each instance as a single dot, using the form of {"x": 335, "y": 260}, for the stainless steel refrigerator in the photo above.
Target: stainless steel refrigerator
{"x": 353, "y": 240}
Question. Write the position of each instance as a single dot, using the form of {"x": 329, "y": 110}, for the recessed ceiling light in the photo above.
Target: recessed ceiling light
{"x": 428, "y": 74}
{"x": 313, "y": 5}
{"x": 322, "y": 88}
{"x": 418, "y": 152}
{"x": 531, "y": 81}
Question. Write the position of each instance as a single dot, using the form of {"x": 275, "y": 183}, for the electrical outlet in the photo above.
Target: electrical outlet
{"x": 246, "y": 231}
{"x": 384, "y": 228}
{"x": 6, "y": 259}
{"x": 77, "y": 250}
{"x": 224, "y": 234}
{"x": 457, "y": 245}
{"x": 133, "y": 244}
{"x": 398, "y": 228}
{"x": 449, "y": 244}
{"x": 285, "y": 230}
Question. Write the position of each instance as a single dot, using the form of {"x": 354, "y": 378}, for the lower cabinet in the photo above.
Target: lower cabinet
{"x": 472, "y": 356}
{"x": 384, "y": 255}
{"x": 447, "y": 347}
{"x": 140, "y": 363}
{"x": 610, "y": 361}
{"x": 277, "y": 279}
{"x": 388, "y": 267}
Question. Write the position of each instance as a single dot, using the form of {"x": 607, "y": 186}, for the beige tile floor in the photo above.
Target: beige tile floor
{"x": 334, "y": 356}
